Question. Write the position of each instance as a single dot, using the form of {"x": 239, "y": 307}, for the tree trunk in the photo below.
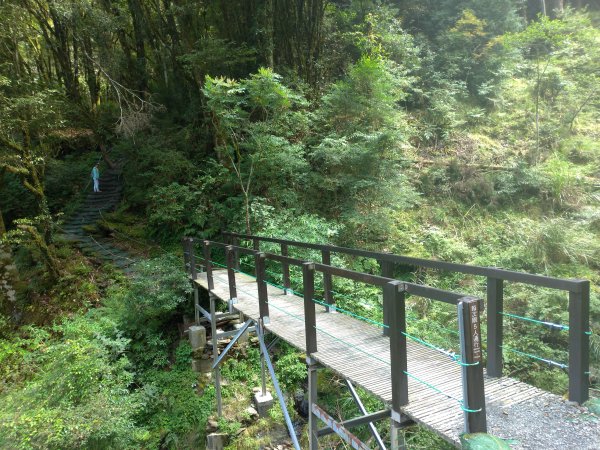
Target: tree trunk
{"x": 555, "y": 8}
{"x": 137, "y": 16}
{"x": 9, "y": 275}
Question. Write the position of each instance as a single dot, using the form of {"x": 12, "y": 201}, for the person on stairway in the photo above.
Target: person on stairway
{"x": 96, "y": 177}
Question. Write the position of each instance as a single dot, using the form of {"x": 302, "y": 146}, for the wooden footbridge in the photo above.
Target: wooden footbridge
{"x": 442, "y": 391}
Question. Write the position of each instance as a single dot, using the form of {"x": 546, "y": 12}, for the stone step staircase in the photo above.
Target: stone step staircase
{"x": 95, "y": 204}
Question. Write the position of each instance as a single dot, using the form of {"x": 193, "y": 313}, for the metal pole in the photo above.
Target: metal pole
{"x": 363, "y": 410}
{"x": 263, "y": 368}
{"x": 313, "y": 421}
{"x": 280, "y": 397}
{"x": 472, "y": 366}
{"x": 263, "y": 301}
{"x": 579, "y": 343}
{"x": 215, "y": 346}
{"x": 495, "y": 300}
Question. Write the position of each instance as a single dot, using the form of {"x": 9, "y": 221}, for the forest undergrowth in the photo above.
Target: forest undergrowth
{"x": 464, "y": 131}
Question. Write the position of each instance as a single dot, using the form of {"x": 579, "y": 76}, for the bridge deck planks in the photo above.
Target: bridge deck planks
{"x": 358, "y": 351}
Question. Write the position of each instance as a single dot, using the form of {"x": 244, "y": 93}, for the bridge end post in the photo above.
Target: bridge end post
{"x": 387, "y": 271}
{"x": 207, "y": 265}
{"x": 310, "y": 318}
{"x": 579, "y": 343}
{"x": 327, "y": 281}
{"x": 261, "y": 282}
{"x": 495, "y": 308}
{"x": 473, "y": 403}
{"x": 394, "y": 299}
{"x": 310, "y": 331}
{"x": 235, "y": 242}
{"x": 230, "y": 258}
{"x": 285, "y": 270}
{"x": 215, "y": 350}
{"x": 186, "y": 254}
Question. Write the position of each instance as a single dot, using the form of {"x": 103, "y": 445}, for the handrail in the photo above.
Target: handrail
{"x": 473, "y": 402}
{"x": 578, "y": 289}
{"x": 572, "y": 285}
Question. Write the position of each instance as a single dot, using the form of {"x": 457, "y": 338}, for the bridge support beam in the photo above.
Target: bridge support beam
{"x": 288, "y": 420}
{"x": 215, "y": 348}
{"x": 363, "y": 410}
{"x": 397, "y": 441}
{"x": 313, "y": 421}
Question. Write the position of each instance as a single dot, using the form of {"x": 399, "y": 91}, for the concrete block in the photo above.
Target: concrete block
{"x": 197, "y": 337}
{"x": 202, "y": 365}
{"x": 263, "y": 403}
{"x": 244, "y": 337}
{"x": 216, "y": 441}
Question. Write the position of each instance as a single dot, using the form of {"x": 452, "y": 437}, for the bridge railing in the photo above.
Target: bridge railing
{"x": 578, "y": 306}
{"x": 394, "y": 293}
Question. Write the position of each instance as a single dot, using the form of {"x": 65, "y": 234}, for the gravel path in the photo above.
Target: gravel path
{"x": 545, "y": 422}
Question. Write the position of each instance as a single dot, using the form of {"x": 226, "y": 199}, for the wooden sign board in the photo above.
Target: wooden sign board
{"x": 475, "y": 331}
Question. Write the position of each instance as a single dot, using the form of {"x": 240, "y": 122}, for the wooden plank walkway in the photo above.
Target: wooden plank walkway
{"x": 358, "y": 351}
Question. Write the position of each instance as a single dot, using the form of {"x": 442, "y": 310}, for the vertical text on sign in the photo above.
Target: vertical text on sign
{"x": 475, "y": 331}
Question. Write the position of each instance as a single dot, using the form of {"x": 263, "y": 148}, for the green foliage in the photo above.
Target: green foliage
{"x": 174, "y": 411}
{"x": 145, "y": 307}
{"x": 290, "y": 369}
{"x": 482, "y": 441}
{"x": 176, "y": 210}
{"x": 79, "y": 394}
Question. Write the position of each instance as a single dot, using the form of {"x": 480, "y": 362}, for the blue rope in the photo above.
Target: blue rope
{"x": 547, "y": 361}
{"x": 538, "y": 322}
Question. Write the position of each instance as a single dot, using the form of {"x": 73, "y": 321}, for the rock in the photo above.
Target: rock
{"x": 252, "y": 412}
{"x": 212, "y": 425}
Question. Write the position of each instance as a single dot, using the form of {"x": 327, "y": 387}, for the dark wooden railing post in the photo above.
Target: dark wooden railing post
{"x": 186, "y": 254}
{"x": 192, "y": 258}
{"x": 327, "y": 282}
{"x": 472, "y": 366}
{"x": 387, "y": 270}
{"x": 208, "y": 264}
{"x": 285, "y": 270}
{"x": 229, "y": 257}
{"x": 256, "y": 247}
{"x": 236, "y": 243}
{"x": 310, "y": 318}
{"x": 495, "y": 333}
{"x": 393, "y": 295}
{"x": 263, "y": 301}
{"x": 579, "y": 343}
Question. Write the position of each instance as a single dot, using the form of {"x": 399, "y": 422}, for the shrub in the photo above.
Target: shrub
{"x": 176, "y": 210}
{"x": 146, "y": 308}
{"x": 79, "y": 397}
